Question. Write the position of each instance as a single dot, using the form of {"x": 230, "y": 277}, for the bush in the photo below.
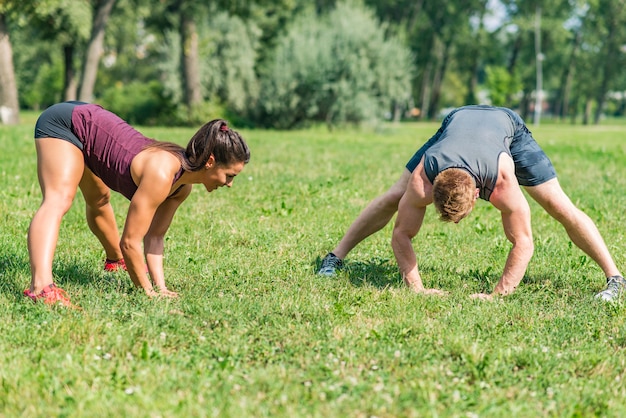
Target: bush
{"x": 139, "y": 103}
{"x": 199, "y": 114}
{"x": 334, "y": 68}
{"x": 501, "y": 85}
{"x": 228, "y": 56}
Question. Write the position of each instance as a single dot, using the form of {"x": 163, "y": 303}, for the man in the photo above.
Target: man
{"x": 478, "y": 152}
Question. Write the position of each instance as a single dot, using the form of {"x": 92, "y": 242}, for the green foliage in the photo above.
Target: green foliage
{"x": 39, "y": 69}
{"x": 199, "y": 114}
{"x": 501, "y": 86}
{"x": 454, "y": 91}
{"x": 46, "y": 86}
{"x": 230, "y": 71}
{"x": 68, "y": 21}
{"x": 291, "y": 62}
{"x": 338, "y": 67}
{"x": 139, "y": 103}
{"x": 229, "y": 81}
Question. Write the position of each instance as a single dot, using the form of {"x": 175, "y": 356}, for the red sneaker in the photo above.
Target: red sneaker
{"x": 114, "y": 265}
{"x": 51, "y": 295}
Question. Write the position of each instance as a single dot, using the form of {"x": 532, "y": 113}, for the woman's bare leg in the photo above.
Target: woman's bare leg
{"x": 99, "y": 213}
{"x": 60, "y": 167}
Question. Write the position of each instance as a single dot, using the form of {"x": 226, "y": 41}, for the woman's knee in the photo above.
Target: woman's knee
{"x": 98, "y": 200}
{"x": 58, "y": 202}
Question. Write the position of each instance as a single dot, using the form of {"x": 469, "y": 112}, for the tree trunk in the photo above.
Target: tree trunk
{"x": 562, "y": 100}
{"x": 9, "y": 105}
{"x": 472, "y": 77}
{"x": 95, "y": 49}
{"x": 425, "y": 91}
{"x": 587, "y": 114}
{"x": 611, "y": 50}
{"x": 192, "y": 86}
{"x": 524, "y": 104}
{"x": 514, "y": 55}
{"x": 440, "y": 73}
{"x": 417, "y": 9}
{"x": 474, "y": 67}
{"x": 70, "y": 83}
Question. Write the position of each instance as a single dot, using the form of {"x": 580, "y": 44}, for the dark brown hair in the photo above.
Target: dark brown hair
{"x": 454, "y": 190}
{"x": 213, "y": 138}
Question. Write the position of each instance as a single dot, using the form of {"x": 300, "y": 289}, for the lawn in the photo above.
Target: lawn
{"x": 255, "y": 333}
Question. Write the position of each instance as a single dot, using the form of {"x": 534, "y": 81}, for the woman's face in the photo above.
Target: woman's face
{"x": 218, "y": 175}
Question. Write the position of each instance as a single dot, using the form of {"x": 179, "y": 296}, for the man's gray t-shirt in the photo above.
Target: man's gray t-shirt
{"x": 472, "y": 139}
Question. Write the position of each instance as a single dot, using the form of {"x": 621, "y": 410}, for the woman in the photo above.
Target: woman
{"x": 83, "y": 145}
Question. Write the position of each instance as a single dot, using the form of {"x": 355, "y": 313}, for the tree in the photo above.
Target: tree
{"x": 443, "y": 36}
{"x": 63, "y": 21}
{"x": 564, "y": 89}
{"x": 102, "y": 11}
{"x": 184, "y": 16}
{"x": 501, "y": 85}
{"x": 335, "y": 68}
{"x": 9, "y": 107}
{"x": 611, "y": 14}
{"x": 524, "y": 59}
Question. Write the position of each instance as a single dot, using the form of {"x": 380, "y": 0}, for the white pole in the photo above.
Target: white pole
{"x": 539, "y": 61}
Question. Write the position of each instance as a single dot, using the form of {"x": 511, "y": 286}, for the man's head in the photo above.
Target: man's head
{"x": 454, "y": 194}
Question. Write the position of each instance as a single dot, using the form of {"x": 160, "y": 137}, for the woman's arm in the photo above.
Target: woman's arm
{"x": 153, "y": 172}
{"x": 155, "y": 238}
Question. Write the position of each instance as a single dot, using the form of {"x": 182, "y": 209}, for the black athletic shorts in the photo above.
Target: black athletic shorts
{"x": 56, "y": 122}
{"x": 532, "y": 165}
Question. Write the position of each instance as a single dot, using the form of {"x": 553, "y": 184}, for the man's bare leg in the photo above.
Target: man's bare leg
{"x": 581, "y": 230}
{"x": 372, "y": 219}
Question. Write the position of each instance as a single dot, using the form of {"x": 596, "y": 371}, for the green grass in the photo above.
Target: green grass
{"x": 255, "y": 333}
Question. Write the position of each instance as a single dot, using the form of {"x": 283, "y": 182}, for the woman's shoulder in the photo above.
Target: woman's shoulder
{"x": 156, "y": 164}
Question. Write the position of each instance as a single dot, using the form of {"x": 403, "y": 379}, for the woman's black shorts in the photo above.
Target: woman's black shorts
{"x": 56, "y": 122}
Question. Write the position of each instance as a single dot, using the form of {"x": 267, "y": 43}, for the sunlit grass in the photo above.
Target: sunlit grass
{"x": 256, "y": 333}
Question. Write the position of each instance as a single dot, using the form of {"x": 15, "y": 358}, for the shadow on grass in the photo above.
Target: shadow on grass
{"x": 383, "y": 273}
{"x": 12, "y": 270}
{"x": 15, "y": 268}
{"x": 484, "y": 281}
{"x": 377, "y": 272}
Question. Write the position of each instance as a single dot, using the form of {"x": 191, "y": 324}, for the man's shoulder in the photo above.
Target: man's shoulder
{"x": 420, "y": 186}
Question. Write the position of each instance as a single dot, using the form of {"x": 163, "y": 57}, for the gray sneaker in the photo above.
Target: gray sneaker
{"x": 615, "y": 285}
{"x": 330, "y": 264}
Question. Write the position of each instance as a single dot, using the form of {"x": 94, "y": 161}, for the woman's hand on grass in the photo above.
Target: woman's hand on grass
{"x": 482, "y": 296}
{"x": 161, "y": 292}
{"x": 424, "y": 291}
{"x": 164, "y": 291}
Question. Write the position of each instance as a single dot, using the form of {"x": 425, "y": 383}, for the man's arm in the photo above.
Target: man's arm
{"x": 517, "y": 229}
{"x": 411, "y": 211}
{"x": 515, "y": 212}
